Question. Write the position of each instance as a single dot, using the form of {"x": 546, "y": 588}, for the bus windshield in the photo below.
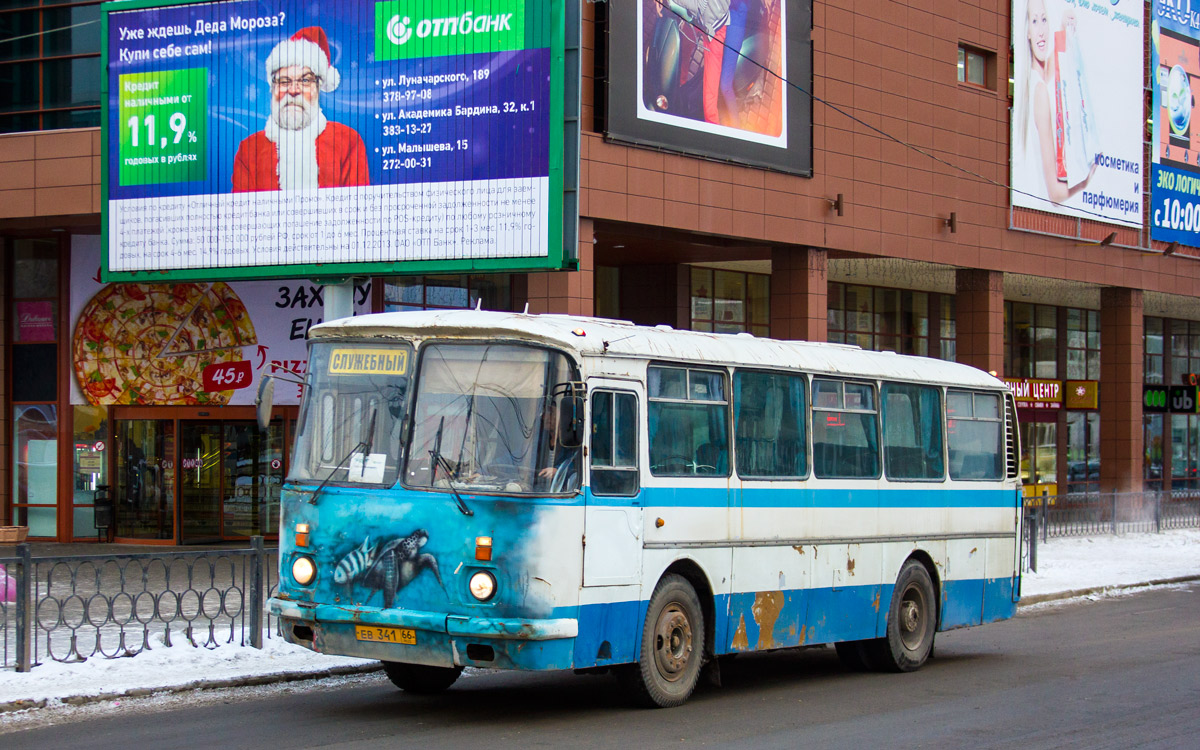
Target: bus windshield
{"x": 353, "y": 413}
{"x": 487, "y": 418}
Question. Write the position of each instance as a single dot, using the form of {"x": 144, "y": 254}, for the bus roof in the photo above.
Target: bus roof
{"x": 598, "y": 337}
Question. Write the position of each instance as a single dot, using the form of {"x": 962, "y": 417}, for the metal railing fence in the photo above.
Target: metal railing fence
{"x": 72, "y": 608}
{"x": 1101, "y": 513}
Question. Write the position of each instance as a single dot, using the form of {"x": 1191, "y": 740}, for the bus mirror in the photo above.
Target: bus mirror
{"x": 570, "y": 421}
{"x": 264, "y": 401}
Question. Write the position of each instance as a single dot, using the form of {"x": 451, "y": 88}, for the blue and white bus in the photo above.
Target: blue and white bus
{"x": 541, "y": 492}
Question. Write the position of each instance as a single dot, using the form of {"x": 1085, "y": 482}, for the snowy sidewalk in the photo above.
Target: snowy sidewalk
{"x": 1065, "y": 567}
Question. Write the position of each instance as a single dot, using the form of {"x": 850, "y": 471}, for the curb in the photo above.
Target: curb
{"x": 1075, "y": 593}
{"x": 250, "y": 681}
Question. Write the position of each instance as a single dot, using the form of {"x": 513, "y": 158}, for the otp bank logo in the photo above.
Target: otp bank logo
{"x": 398, "y": 31}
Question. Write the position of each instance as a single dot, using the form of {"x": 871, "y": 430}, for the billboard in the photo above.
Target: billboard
{"x": 185, "y": 343}
{"x": 1077, "y": 108}
{"x": 1175, "y": 143}
{"x": 708, "y": 78}
{"x": 279, "y": 138}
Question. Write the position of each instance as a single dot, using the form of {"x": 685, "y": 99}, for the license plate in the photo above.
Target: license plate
{"x": 375, "y": 634}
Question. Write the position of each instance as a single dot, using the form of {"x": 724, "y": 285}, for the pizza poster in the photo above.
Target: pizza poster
{"x": 187, "y": 343}
{"x": 258, "y": 138}
{"x": 1175, "y": 144}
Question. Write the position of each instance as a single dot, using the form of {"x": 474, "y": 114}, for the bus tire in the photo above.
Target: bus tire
{"x": 672, "y": 649}
{"x": 419, "y": 678}
{"x": 911, "y": 622}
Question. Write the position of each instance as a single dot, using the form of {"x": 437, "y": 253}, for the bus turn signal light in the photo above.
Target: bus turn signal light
{"x": 483, "y": 548}
{"x": 301, "y": 535}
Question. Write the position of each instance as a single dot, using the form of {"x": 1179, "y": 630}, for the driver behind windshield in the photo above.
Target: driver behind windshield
{"x": 560, "y": 463}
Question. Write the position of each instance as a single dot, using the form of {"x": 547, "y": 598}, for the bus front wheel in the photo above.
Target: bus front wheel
{"x": 419, "y": 678}
{"x": 672, "y": 649}
{"x": 912, "y": 619}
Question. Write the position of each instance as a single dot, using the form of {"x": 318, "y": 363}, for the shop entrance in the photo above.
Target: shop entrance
{"x": 1039, "y": 458}
{"x": 230, "y": 475}
{"x": 197, "y": 481}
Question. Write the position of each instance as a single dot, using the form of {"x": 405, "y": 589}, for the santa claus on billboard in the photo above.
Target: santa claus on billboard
{"x": 299, "y": 148}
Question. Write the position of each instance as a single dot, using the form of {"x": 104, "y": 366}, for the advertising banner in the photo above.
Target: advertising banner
{"x": 1175, "y": 144}
{"x": 185, "y": 343}
{"x": 707, "y": 77}
{"x": 1077, "y": 108}
{"x": 276, "y": 138}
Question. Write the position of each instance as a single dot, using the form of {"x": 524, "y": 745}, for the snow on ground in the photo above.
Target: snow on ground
{"x": 1089, "y": 562}
{"x": 1063, "y": 565}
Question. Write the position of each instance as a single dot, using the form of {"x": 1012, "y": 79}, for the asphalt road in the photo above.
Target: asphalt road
{"x": 1115, "y": 673}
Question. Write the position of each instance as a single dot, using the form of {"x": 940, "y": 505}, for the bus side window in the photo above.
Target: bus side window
{"x": 688, "y": 422}
{"x": 769, "y": 423}
{"x": 845, "y": 431}
{"x": 614, "y": 443}
{"x": 976, "y": 435}
{"x": 912, "y": 431}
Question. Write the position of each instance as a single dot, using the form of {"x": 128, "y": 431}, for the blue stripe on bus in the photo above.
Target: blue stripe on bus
{"x": 610, "y": 633}
{"x": 799, "y": 497}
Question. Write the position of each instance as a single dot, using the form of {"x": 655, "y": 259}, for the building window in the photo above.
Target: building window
{"x": 1185, "y": 349}
{"x": 34, "y": 330}
{"x": 973, "y": 66}
{"x": 1155, "y": 373}
{"x": 1083, "y": 451}
{"x": 50, "y": 70}
{"x": 894, "y": 320}
{"x": 1185, "y": 451}
{"x": 730, "y": 302}
{"x": 1152, "y": 437}
{"x": 1083, "y": 344}
{"x": 456, "y": 292}
{"x": 1031, "y": 349}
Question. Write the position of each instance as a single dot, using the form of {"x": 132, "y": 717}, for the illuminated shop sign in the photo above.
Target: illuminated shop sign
{"x": 1036, "y": 394}
{"x": 1174, "y": 399}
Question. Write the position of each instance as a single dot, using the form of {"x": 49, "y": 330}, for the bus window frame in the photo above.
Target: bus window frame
{"x": 419, "y": 347}
{"x": 805, "y": 420}
{"x": 843, "y": 409}
{"x": 726, "y": 402}
{"x": 635, "y": 468}
{"x": 942, "y": 419}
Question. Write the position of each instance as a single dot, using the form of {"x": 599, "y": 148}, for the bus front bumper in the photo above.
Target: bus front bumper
{"x": 441, "y": 639}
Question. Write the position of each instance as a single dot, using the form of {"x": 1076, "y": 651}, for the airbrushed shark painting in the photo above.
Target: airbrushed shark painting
{"x": 388, "y": 566}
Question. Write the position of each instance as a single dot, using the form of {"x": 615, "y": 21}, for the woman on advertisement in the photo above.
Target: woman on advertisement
{"x": 1054, "y": 135}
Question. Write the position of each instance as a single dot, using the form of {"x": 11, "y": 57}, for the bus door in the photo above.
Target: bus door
{"x": 612, "y": 553}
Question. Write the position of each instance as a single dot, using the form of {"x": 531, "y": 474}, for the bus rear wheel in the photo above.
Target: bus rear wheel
{"x": 911, "y": 622}
{"x": 419, "y": 678}
{"x": 672, "y": 649}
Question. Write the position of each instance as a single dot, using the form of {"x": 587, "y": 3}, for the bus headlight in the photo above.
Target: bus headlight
{"x": 303, "y": 570}
{"x": 482, "y": 585}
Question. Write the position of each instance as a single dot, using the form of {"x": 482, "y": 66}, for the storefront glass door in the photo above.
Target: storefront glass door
{"x": 144, "y": 503}
{"x": 229, "y": 479}
{"x": 253, "y": 477}
{"x": 1039, "y": 458}
{"x": 199, "y": 482}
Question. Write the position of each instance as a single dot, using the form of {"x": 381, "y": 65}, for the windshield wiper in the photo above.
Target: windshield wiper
{"x": 438, "y": 459}
{"x": 364, "y": 445}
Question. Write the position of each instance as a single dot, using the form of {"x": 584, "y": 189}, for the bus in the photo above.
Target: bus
{"x": 547, "y": 492}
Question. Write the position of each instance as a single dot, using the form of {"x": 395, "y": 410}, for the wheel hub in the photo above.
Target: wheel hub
{"x": 672, "y": 642}
{"x": 912, "y": 618}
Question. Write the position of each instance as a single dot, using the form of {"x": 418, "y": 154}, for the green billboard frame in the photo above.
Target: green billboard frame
{"x": 557, "y": 20}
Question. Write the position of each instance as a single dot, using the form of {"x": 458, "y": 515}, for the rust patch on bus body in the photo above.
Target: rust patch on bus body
{"x": 875, "y": 603}
{"x": 766, "y": 609}
{"x": 799, "y": 548}
{"x": 740, "y": 643}
{"x": 850, "y": 565}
